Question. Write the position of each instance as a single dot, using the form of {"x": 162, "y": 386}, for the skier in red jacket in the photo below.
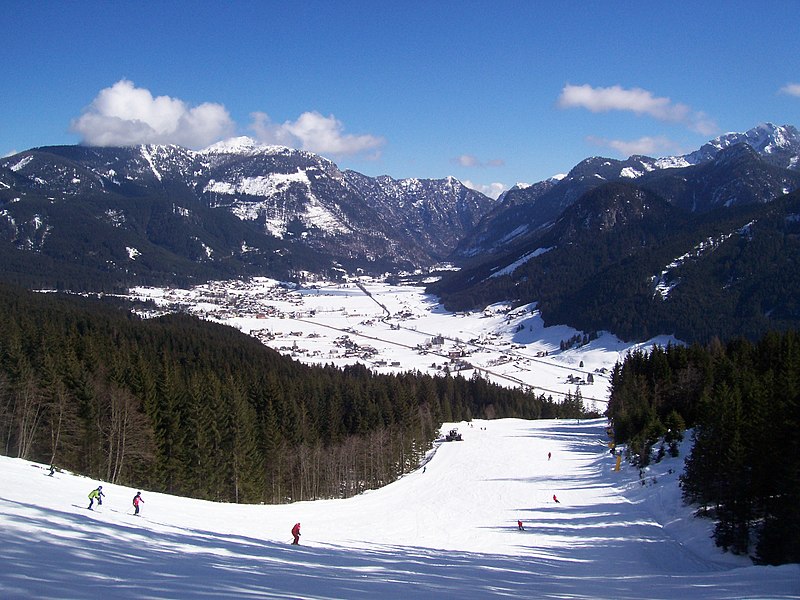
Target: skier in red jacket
{"x": 296, "y": 533}
{"x": 137, "y": 499}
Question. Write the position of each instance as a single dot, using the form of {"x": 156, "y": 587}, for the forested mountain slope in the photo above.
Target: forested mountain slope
{"x": 199, "y": 409}
{"x": 624, "y": 259}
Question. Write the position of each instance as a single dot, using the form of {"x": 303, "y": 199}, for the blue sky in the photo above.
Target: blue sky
{"x": 491, "y": 92}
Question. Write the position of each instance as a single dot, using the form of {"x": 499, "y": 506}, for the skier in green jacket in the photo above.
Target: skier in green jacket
{"x": 96, "y": 494}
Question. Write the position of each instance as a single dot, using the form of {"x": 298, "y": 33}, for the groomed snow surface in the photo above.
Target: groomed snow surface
{"x": 447, "y": 530}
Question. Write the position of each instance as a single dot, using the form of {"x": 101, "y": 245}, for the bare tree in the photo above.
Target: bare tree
{"x": 124, "y": 429}
{"x": 61, "y": 416}
{"x": 29, "y": 407}
{"x": 6, "y": 414}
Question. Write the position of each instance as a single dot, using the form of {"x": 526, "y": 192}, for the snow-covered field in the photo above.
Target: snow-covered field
{"x": 400, "y": 328}
{"x": 448, "y": 531}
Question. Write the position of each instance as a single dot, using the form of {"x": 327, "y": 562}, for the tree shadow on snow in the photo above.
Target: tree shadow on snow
{"x": 86, "y": 557}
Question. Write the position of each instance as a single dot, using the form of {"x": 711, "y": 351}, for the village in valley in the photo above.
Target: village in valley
{"x": 396, "y": 328}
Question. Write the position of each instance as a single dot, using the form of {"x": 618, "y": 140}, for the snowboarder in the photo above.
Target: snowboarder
{"x": 296, "y": 533}
{"x": 555, "y": 499}
{"x": 519, "y": 525}
{"x": 96, "y": 494}
{"x": 137, "y": 499}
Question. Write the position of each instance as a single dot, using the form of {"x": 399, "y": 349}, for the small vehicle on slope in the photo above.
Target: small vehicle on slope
{"x": 453, "y": 436}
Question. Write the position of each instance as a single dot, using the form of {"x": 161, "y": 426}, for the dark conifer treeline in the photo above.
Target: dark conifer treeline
{"x": 199, "y": 409}
{"x": 743, "y": 401}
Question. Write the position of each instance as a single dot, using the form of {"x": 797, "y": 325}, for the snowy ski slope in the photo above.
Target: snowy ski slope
{"x": 448, "y": 531}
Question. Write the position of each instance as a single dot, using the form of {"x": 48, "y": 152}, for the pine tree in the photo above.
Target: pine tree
{"x": 248, "y": 467}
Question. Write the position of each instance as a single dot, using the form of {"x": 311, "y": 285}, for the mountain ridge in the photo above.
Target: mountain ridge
{"x": 538, "y": 205}
{"x": 283, "y": 199}
{"x": 108, "y": 218}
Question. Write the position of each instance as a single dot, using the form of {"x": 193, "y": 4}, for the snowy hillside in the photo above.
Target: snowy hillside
{"x": 448, "y": 530}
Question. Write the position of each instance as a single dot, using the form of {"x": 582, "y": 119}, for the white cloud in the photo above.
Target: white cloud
{"x": 268, "y": 132}
{"x": 470, "y": 161}
{"x": 648, "y": 146}
{"x": 792, "y": 89}
{"x": 636, "y": 100}
{"x": 124, "y": 115}
{"x": 467, "y": 160}
{"x": 315, "y": 133}
{"x": 493, "y": 190}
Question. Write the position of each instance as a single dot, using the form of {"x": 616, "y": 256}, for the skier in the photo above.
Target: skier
{"x": 555, "y": 499}
{"x": 96, "y": 494}
{"x": 296, "y": 533}
{"x": 519, "y": 525}
{"x": 52, "y": 470}
{"x": 137, "y": 499}
{"x": 548, "y": 456}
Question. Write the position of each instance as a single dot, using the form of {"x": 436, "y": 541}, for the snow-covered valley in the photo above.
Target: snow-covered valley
{"x": 392, "y": 328}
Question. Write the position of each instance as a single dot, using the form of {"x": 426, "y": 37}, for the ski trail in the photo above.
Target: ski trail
{"x": 448, "y": 532}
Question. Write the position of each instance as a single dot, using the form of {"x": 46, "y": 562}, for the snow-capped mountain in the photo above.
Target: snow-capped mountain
{"x": 438, "y": 213}
{"x": 777, "y": 145}
{"x": 595, "y": 249}
{"x": 284, "y": 202}
{"x": 758, "y": 165}
{"x": 606, "y": 261}
{"x": 105, "y": 218}
{"x": 738, "y": 175}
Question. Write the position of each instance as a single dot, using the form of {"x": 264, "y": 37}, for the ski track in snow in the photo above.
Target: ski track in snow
{"x": 447, "y": 532}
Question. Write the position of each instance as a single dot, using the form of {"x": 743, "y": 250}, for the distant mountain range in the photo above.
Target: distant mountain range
{"x": 702, "y": 245}
{"x": 698, "y": 245}
{"x": 237, "y": 207}
{"x": 737, "y": 168}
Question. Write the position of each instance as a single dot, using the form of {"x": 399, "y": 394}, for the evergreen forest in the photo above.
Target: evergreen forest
{"x": 738, "y": 276}
{"x": 742, "y": 400}
{"x": 193, "y": 408}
